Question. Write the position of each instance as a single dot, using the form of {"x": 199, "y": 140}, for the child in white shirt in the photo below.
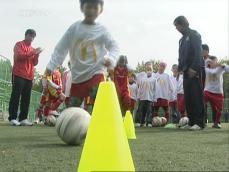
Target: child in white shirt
{"x": 213, "y": 91}
{"x": 91, "y": 49}
{"x": 164, "y": 90}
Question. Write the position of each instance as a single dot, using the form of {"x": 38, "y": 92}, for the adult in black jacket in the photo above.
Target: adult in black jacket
{"x": 190, "y": 54}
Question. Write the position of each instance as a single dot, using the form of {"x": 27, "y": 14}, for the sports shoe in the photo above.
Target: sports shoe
{"x": 149, "y": 125}
{"x": 217, "y": 126}
{"x": 38, "y": 120}
{"x": 26, "y": 122}
{"x": 15, "y": 122}
{"x": 137, "y": 124}
{"x": 185, "y": 127}
{"x": 142, "y": 125}
{"x": 195, "y": 127}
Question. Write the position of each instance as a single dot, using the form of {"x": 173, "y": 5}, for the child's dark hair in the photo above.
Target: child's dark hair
{"x": 133, "y": 75}
{"x": 122, "y": 60}
{"x": 30, "y": 32}
{"x": 82, "y": 2}
{"x": 205, "y": 47}
{"x": 175, "y": 66}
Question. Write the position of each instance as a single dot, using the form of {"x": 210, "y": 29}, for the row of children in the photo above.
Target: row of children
{"x": 150, "y": 90}
{"x": 154, "y": 90}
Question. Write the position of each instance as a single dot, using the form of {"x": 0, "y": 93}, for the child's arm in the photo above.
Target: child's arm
{"x": 155, "y": 90}
{"x": 61, "y": 50}
{"x": 226, "y": 68}
{"x": 213, "y": 70}
{"x": 113, "y": 49}
{"x": 172, "y": 90}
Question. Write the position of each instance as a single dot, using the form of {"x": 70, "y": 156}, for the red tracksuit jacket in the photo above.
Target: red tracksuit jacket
{"x": 24, "y": 60}
{"x": 121, "y": 80}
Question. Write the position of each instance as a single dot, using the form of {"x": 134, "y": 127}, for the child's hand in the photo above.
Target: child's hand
{"x": 192, "y": 73}
{"x": 107, "y": 62}
{"x": 44, "y": 83}
{"x": 38, "y": 50}
{"x": 62, "y": 96}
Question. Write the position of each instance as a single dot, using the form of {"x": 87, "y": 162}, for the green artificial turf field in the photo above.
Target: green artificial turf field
{"x": 38, "y": 148}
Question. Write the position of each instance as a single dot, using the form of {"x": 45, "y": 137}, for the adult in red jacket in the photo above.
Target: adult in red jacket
{"x": 25, "y": 58}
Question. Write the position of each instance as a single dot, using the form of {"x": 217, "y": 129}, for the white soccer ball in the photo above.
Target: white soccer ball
{"x": 156, "y": 122}
{"x": 72, "y": 125}
{"x": 163, "y": 121}
{"x": 183, "y": 121}
{"x": 50, "y": 121}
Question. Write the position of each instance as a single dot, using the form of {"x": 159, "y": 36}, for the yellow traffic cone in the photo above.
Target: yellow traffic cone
{"x": 129, "y": 126}
{"x": 106, "y": 146}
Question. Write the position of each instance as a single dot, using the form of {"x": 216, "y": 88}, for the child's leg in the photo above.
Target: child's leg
{"x": 143, "y": 111}
{"x": 56, "y": 103}
{"x": 46, "y": 110}
{"x": 48, "y": 105}
{"x": 155, "y": 110}
{"x": 137, "y": 117}
{"x": 166, "y": 112}
{"x": 181, "y": 105}
{"x": 43, "y": 102}
{"x": 206, "y": 100}
{"x": 165, "y": 105}
{"x": 93, "y": 85}
{"x": 174, "y": 114}
{"x": 149, "y": 112}
{"x": 120, "y": 100}
{"x": 78, "y": 93}
{"x": 216, "y": 102}
{"x": 132, "y": 106}
{"x": 125, "y": 102}
{"x": 91, "y": 98}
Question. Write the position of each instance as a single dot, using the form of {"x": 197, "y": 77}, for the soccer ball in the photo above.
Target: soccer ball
{"x": 163, "y": 121}
{"x": 50, "y": 121}
{"x": 183, "y": 121}
{"x": 156, "y": 122}
{"x": 72, "y": 125}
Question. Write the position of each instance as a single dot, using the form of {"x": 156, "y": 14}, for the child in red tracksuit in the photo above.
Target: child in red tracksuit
{"x": 52, "y": 95}
{"x": 121, "y": 81}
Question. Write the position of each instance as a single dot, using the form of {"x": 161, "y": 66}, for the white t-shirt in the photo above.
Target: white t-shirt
{"x": 139, "y": 77}
{"x": 173, "y": 96}
{"x": 180, "y": 88}
{"x": 164, "y": 87}
{"x": 88, "y": 46}
{"x": 214, "y": 79}
{"x": 133, "y": 91}
{"x": 147, "y": 87}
